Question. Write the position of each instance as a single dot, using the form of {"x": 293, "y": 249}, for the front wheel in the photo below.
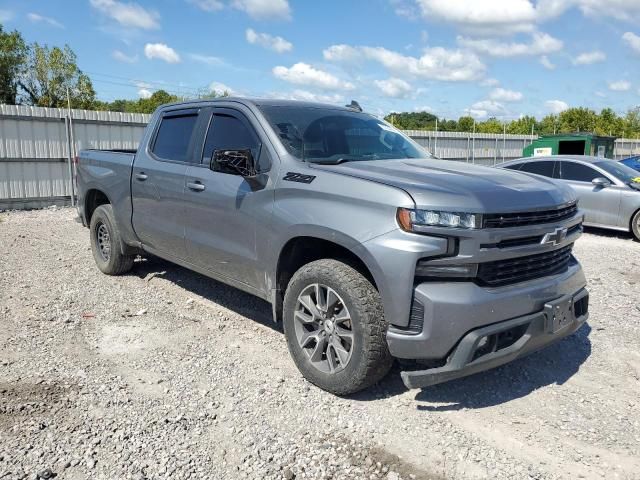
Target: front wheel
{"x": 335, "y": 327}
{"x": 635, "y": 225}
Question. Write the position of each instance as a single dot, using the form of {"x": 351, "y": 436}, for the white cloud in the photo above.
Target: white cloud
{"x": 541, "y": 43}
{"x": 394, "y": 87}
{"x": 277, "y": 44}
{"x": 436, "y": 63}
{"x": 494, "y": 17}
{"x": 546, "y": 63}
{"x": 305, "y": 74}
{"x": 220, "y": 88}
{"x": 632, "y": 40}
{"x": 123, "y": 57}
{"x": 490, "y": 107}
{"x": 207, "y": 5}
{"x": 588, "y": 58}
{"x": 144, "y": 93}
{"x": 207, "y": 59}
{"x": 264, "y": 9}
{"x": 620, "y": 86}
{"x": 37, "y": 18}
{"x": 161, "y": 52}
{"x": 625, "y": 10}
{"x": 490, "y": 82}
{"x": 307, "y": 96}
{"x": 556, "y": 106}
{"x": 128, "y": 14}
{"x": 503, "y": 95}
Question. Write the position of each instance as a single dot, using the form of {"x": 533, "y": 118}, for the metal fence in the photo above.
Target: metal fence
{"x": 480, "y": 148}
{"x": 36, "y": 149}
{"x": 37, "y": 146}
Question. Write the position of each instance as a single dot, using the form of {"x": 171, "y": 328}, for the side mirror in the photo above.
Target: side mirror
{"x": 601, "y": 182}
{"x": 235, "y": 162}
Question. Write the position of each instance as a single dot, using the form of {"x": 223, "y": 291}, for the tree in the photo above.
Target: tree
{"x": 13, "y": 57}
{"x": 492, "y": 125}
{"x": 51, "y": 74}
{"x": 578, "y": 120}
{"x": 465, "y": 124}
{"x": 412, "y": 120}
{"x": 548, "y": 125}
{"x": 522, "y": 126}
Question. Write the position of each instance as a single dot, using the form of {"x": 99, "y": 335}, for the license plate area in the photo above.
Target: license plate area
{"x": 559, "y": 314}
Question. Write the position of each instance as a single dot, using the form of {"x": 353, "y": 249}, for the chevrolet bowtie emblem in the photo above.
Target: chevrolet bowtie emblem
{"x": 554, "y": 238}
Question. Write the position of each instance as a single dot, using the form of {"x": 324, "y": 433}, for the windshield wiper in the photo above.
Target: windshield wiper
{"x": 336, "y": 161}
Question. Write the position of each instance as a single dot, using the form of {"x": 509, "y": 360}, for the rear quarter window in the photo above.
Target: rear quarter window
{"x": 540, "y": 167}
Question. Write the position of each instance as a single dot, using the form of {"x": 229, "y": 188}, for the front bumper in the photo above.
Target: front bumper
{"x": 499, "y": 343}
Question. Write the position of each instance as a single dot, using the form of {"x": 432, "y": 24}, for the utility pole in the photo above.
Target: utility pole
{"x": 504, "y": 140}
{"x": 435, "y": 144}
{"x": 72, "y": 150}
{"x": 473, "y": 143}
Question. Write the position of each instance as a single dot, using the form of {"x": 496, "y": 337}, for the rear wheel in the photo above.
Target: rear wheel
{"x": 335, "y": 327}
{"x": 635, "y": 225}
{"x": 106, "y": 243}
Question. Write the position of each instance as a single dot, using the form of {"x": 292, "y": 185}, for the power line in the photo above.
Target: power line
{"x": 128, "y": 85}
{"x": 150, "y": 83}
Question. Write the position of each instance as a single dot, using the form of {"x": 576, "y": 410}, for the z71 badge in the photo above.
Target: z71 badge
{"x": 298, "y": 177}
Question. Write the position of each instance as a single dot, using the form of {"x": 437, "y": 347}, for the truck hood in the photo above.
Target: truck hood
{"x": 457, "y": 186}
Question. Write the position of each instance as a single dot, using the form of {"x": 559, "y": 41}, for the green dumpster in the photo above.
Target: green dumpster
{"x": 571, "y": 144}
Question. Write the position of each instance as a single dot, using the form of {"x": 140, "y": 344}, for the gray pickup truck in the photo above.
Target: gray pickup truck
{"x": 366, "y": 246}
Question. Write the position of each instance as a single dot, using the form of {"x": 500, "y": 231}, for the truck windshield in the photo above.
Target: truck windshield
{"x": 326, "y": 135}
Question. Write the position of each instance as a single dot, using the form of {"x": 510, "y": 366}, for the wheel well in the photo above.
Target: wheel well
{"x": 300, "y": 251}
{"x": 94, "y": 199}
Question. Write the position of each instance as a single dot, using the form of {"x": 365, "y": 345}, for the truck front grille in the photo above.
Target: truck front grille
{"x": 521, "y": 219}
{"x": 515, "y": 270}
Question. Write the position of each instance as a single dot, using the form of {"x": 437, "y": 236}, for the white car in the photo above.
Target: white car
{"x": 609, "y": 191}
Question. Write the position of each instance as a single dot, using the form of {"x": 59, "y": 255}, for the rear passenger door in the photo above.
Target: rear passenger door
{"x": 600, "y": 205}
{"x": 157, "y": 182}
{"x": 226, "y": 215}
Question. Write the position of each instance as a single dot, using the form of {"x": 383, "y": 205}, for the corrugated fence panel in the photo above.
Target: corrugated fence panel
{"x": 34, "y": 170}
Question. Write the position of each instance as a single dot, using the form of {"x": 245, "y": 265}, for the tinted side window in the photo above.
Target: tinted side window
{"x": 540, "y": 168}
{"x": 174, "y": 136}
{"x": 577, "y": 172}
{"x": 229, "y": 133}
{"x": 517, "y": 166}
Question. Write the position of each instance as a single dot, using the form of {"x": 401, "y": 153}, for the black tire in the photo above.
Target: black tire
{"x": 635, "y": 225}
{"x": 112, "y": 262}
{"x": 369, "y": 360}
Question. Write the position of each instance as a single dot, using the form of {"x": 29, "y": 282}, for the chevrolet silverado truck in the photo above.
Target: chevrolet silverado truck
{"x": 368, "y": 248}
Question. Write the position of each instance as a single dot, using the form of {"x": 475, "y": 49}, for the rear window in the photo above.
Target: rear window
{"x": 174, "y": 137}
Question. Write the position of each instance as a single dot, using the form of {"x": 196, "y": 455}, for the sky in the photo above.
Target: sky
{"x": 485, "y": 58}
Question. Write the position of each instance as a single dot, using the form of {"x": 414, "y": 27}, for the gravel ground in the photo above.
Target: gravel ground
{"x": 163, "y": 373}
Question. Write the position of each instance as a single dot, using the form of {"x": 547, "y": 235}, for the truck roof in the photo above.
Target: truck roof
{"x": 258, "y": 102}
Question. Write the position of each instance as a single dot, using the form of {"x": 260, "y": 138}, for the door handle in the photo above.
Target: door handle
{"x": 141, "y": 176}
{"x": 196, "y": 186}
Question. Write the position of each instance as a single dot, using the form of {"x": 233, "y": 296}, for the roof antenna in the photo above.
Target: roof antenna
{"x": 354, "y": 106}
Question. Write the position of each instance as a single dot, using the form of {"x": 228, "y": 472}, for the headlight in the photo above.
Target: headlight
{"x": 412, "y": 220}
